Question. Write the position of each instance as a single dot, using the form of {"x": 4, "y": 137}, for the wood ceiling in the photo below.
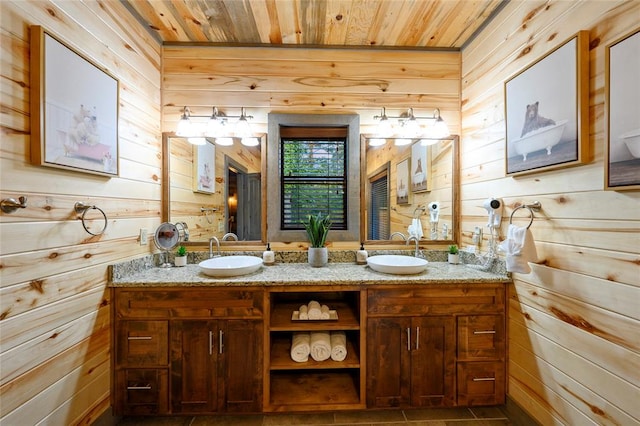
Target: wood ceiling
{"x": 356, "y": 23}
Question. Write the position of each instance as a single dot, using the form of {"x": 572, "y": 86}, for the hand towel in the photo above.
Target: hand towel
{"x": 338, "y": 345}
{"x": 320, "y": 345}
{"x": 303, "y": 312}
{"x": 324, "y": 312}
{"x": 520, "y": 249}
{"x": 415, "y": 229}
{"x": 314, "y": 310}
{"x": 300, "y": 347}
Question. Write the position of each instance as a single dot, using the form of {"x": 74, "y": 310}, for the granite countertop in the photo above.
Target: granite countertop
{"x": 301, "y": 274}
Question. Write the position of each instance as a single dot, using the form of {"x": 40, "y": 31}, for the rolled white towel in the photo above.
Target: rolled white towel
{"x": 320, "y": 345}
{"x": 324, "y": 312}
{"x": 314, "y": 310}
{"x": 303, "y": 313}
{"x": 300, "y": 347}
{"x": 338, "y": 345}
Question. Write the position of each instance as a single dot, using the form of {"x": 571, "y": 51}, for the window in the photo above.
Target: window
{"x": 313, "y": 175}
{"x": 313, "y": 166}
{"x": 378, "y": 218}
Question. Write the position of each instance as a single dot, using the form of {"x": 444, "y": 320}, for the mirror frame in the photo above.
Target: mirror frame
{"x": 455, "y": 196}
{"x": 166, "y": 192}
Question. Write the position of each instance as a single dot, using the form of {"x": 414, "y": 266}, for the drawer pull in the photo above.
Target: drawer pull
{"x": 409, "y": 339}
{"x": 139, "y": 338}
{"x": 484, "y": 379}
{"x": 220, "y": 341}
{"x": 417, "y": 338}
{"x": 484, "y": 332}
{"x": 148, "y": 387}
{"x": 210, "y": 342}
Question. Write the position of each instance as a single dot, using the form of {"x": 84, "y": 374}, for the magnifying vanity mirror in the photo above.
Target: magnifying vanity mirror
{"x": 400, "y": 183}
{"x": 214, "y": 189}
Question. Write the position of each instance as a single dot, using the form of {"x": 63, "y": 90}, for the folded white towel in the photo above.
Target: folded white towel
{"x": 520, "y": 249}
{"x": 303, "y": 312}
{"x": 324, "y": 312}
{"x": 320, "y": 345}
{"x": 314, "y": 310}
{"x": 300, "y": 347}
{"x": 338, "y": 345}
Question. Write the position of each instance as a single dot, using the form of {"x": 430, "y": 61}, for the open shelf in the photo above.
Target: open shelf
{"x": 281, "y": 318}
{"x": 281, "y": 357}
{"x": 309, "y": 390}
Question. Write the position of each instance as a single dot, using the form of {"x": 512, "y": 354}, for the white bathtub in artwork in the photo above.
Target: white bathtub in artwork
{"x": 543, "y": 138}
{"x": 632, "y": 140}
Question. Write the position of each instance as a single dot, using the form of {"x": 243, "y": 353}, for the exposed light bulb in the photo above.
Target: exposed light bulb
{"x": 377, "y": 141}
{"x": 402, "y": 141}
{"x": 197, "y": 141}
{"x": 252, "y": 141}
{"x": 224, "y": 141}
{"x": 243, "y": 129}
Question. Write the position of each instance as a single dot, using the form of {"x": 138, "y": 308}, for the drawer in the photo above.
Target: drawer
{"x": 190, "y": 302}
{"x": 142, "y": 391}
{"x": 481, "y": 337}
{"x": 142, "y": 343}
{"x": 436, "y": 300}
{"x": 481, "y": 383}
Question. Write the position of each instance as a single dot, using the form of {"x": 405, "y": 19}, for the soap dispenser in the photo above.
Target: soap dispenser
{"x": 361, "y": 255}
{"x": 268, "y": 256}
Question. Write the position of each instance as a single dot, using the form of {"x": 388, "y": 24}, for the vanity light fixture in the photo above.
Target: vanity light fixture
{"x": 214, "y": 127}
{"x": 409, "y": 128}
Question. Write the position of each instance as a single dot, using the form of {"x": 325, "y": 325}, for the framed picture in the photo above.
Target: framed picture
{"x": 402, "y": 182}
{"x": 74, "y": 109}
{"x": 623, "y": 113}
{"x": 204, "y": 173}
{"x": 546, "y": 110}
{"x": 420, "y": 168}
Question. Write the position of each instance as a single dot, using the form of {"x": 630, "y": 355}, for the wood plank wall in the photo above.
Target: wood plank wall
{"x": 54, "y": 304}
{"x": 574, "y": 339}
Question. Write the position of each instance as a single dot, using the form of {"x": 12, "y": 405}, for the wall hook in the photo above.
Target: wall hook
{"x": 10, "y": 205}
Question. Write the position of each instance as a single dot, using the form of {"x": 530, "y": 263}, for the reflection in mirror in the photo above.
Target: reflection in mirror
{"x": 410, "y": 189}
{"x": 214, "y": 189}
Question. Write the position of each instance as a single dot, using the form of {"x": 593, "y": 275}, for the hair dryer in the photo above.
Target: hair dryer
{"x": 494, "y": 207}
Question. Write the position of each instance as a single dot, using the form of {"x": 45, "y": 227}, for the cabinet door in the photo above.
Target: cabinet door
{"x": 194, "y": 356}
{"x": 388, "y": 362}
{"x": 433, "y": 362}
{"x": 241, "y": 362}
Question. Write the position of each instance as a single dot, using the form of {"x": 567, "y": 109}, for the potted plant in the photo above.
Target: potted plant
{"x": 317, "y": 228}
{"x": 181, "y": 256}
{"x": 454, "y": 254}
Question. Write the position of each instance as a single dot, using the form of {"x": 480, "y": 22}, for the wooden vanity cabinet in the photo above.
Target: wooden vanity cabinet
{"x": 435, "y": 345}
{"x": 188, "y": 350}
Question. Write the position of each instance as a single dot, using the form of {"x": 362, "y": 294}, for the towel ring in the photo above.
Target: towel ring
{"x": 84, "y": 208}
{"x": 522, "y": 207}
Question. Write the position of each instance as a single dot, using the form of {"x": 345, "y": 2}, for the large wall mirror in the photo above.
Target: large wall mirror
{"x": 410, "y": 187}
{"x": 399, "y": 185}
{"x": 215, "y": 189}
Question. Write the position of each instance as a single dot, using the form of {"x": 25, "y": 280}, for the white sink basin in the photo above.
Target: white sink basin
{"x": 230, "y": 266}
{"x": 397, "y": 264}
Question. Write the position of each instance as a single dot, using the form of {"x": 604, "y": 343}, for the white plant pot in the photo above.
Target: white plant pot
{"x": 180, "y": 261}
{"x": 318, "y": 256}
{"x": 454, "y": 258}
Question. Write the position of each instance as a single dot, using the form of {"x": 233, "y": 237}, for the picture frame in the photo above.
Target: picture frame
{"x": 402, "y": 182}
{"x": 420, "y": 167}
{"x": 204, "y": 168}
{"x": 546, "y": 110}
{"x": 74, "y": 109}
{"x": 622, "y": 91}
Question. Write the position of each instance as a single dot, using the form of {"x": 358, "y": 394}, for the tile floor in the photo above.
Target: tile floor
{"x": 482, "y": 416}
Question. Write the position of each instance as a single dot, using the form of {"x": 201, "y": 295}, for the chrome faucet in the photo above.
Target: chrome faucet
{"x": 414, "y": 238}
{"x": 211, "y": 240}
{"x": 230, "y": 235}
{"x": 398, "y": 233}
